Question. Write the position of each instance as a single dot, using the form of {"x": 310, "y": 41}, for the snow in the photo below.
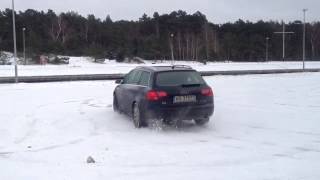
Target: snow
{"x": 9, "y": 56}
{"x": 264, "y": 127}
{"x": 85, "y": 65}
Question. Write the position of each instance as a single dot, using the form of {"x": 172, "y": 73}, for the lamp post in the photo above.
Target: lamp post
{"x": 267, "y": 48}
{"x": 14, "y": 44}
{"x": 304, "y": 38}
{"x": 24, "y": 45}
{"x": 171, "y": 45}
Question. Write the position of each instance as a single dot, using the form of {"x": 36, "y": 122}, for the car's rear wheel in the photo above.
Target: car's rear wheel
{"x": 137, "y": 116}
{"x": 202, "y": 121}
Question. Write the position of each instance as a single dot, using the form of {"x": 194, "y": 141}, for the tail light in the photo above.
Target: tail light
{"x": 156, "y": 95}
{"x": 207, "y": 92}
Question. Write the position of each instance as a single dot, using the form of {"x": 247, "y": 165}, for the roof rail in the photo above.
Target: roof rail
{"x": 181, "y": 66}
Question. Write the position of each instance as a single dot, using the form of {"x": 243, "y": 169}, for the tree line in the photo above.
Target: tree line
{"x": 189, "y": 36}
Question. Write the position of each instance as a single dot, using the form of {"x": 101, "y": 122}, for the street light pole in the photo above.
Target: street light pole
{"x": 283, "y": 41}
{"x": 267, "y": 48}
{"x": 14, "y": 44}
{"x": 24, "y": 46}
{"x": 304, "y": 38}
{"x": 171, "y": 44}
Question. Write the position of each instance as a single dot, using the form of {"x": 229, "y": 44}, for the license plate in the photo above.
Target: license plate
{"x": 184, "y": 99}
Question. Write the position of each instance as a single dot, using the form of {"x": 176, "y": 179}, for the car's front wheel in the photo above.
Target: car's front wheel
{"x": 202, "y": 121}
{"x": 115, "y": 104}
{"x": 137, "y": 116}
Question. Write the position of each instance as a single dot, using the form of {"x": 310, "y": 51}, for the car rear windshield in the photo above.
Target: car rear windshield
{"x": 179, "y": 78}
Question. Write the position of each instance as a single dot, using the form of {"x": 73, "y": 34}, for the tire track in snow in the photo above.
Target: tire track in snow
{"x": 29, "y": 132}
{"x": 46, "y": 148}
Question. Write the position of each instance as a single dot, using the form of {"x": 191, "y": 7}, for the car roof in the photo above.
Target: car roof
{"x": 166, "y": 68}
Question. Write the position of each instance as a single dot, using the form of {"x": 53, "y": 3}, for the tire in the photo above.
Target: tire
{"x": 202, "y": 121}
{"x": 115, "y": 104}
{"x": 137, "y": 116}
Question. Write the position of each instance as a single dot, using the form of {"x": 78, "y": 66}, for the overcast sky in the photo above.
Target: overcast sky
{"x": 217, "y": 11}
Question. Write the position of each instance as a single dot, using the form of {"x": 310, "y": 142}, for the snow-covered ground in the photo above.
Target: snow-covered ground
{"x": 7, "y": 57}
{"x": 266, "y": 127}
{"x": 83, "y": 65}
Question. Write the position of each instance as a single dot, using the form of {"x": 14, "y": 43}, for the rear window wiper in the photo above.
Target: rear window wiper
{"x": 190, "y": 85}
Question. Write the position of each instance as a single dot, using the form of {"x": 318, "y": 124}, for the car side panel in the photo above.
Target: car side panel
{"x": 132, "y": 94}
{"x": 118, "y": 95}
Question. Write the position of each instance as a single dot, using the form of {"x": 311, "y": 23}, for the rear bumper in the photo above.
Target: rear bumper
{"x": 182, "y": 112}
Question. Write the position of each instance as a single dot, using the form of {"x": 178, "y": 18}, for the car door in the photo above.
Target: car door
{"x": 129, "y": 90}
{"x": 144, "y": 87}
{"x": 121, "y": 90}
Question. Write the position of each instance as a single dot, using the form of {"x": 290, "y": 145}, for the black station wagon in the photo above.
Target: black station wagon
{"x": 167, "y": 93}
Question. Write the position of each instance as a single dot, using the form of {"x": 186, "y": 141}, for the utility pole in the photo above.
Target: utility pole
{"x": 304, "y": 38}
{"x": 267, "y": 48}
{"x": 14, "y": 44}
{"x": 171, "y": 45}
{"x": 24, "y": 45}
{"x": 284, "y": 33}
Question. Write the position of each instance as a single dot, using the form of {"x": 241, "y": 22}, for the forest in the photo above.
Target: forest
{"x": 179, "y": 34}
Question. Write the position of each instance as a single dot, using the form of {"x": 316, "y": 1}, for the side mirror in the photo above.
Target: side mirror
{"x": 119, "y": 81}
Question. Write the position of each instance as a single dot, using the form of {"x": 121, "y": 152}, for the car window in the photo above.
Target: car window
{"x": 133, "y": 77}
{"x": 144, "y": 79}
{"x": 136, "y": 77}
{"x": 128, "y": 77}
{"x": 177, "y": 78}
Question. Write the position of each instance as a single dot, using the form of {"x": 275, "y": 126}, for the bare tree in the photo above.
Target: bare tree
{"x": 187, "y": 48}
{"x": 86, "y": 30}
{"x": 55, "y": 29}
{"x": 179, "y": 45}
{"x": 206, "y": 39}
{"x": 315, "y": 39}
{"x": 66, "y": 30}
